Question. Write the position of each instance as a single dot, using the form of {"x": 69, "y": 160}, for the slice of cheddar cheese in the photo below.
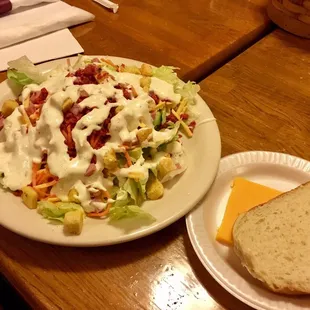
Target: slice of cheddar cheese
{"x": 244, "y": 196}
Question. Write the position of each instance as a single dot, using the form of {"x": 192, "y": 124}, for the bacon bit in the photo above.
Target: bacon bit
{"x": 178, "y": 166}
{"x": 75, "y": 109}
{"x": 17, "y": 193}
{"x": 86, "y": 75}
{"x": 1, "y": 121}
{"x": 90, "y": 170}
{"x": 171, "y": 118}
{"x": 39, "y": 97}
{"x": 94, "y": 159}
{"x": 68, "y": 62}
{"x": 121, "y": 68}
{"x": 111, "y": 100}
{"x": 98, "y": 138}
{"x": 184, "y": 116}
{"x": 192, "y": 126}
{"x": 68, "y": 124}
{"x": 70, "y": 74}
{"x": 154, "y": 97}
{"x": 95, "y": 60}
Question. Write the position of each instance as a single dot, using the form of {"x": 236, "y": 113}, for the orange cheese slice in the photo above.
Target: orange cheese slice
{"x": 244, "y": 196}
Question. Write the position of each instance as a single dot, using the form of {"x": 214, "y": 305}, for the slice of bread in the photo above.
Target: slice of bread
{"x": 273, "y": 242}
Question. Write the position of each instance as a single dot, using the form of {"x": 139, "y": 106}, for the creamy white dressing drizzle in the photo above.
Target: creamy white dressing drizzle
{"x": 20, "y": 148}
{"x": 164, "y": 90}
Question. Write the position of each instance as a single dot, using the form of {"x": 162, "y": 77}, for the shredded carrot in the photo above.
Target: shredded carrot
{"x": 100, "y": 214}
{"x": 35, "y": 168}
{"x": 128, "y": 159}
{"x": 41, "y": 193}
{"x": 44, "y": 185}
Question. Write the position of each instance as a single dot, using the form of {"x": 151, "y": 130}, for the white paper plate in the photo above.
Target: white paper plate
{"x": 279, "y": 171}
{"x": 203, "y": 151}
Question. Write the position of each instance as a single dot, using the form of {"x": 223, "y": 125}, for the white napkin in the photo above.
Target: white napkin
{"x": 23, "y": 3}
{"x": 51, "y": 46}
{"x": 38, "y": 21}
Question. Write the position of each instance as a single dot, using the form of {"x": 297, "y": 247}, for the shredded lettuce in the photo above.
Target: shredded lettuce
{"x": 22, "y": 71}
{"x": 117, "y": 213}
{"x": 135, "y": 154}
{"x": 56, "y": 211}
{"x": 122, "y": 199}
{"x": 19, "y": 77}
{"x": 136, "y": 190}
{"x": 189, "y": 91}
{"x": 166, "y": 73}
{"x": 163, "y": 137}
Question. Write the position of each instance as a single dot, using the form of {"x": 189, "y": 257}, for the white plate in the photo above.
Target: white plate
{"x": 279, "y": 171}
{"x": 203, "y": 152}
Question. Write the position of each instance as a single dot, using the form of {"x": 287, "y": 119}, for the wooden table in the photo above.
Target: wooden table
{"x": 196, "y": 36}
{"x": 262, "y": 98}
{"x": 260, "y": 101}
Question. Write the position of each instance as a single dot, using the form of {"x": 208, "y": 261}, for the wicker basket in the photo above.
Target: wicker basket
{"x": 291, "y": 15}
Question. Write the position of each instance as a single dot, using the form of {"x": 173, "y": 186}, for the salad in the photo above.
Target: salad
{"x": 93, "y": 138}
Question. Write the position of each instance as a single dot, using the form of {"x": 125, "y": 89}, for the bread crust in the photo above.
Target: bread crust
{"x": 248, "y": 264}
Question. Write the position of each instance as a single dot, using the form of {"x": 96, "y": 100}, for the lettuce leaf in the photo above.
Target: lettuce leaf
{"x": 161, "y": 137}
{"x": 19, "y": 77}
{"x": 25, "y": 69}
{"x": 136, "y": 190}
{"x": 189, "y": 92}
{"x": 166, "y": 73}
{"x": 117, "y": 213}
{"x": 56, "y": 211}
{"x": 122, "y": 199}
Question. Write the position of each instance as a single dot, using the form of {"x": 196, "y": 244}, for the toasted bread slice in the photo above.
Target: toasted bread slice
{"x": 273, "y": 242}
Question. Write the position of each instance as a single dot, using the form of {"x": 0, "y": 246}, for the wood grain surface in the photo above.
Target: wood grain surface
{"x": 195, "y": 36}
{"x": 261, "y": 99}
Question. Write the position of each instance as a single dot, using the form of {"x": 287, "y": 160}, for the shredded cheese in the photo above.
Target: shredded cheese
{"x": 188, "y": 132}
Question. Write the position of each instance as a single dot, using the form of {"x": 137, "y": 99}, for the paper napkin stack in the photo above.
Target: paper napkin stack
{"x": 38, "y": 29}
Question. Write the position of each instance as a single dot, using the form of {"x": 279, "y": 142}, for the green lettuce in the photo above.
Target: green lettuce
{"x": 166, "y": 73}
{"x": 56, "y": 211}
{"x": 189, "y": 91}
{"x": 135, "y": 154}
{"x": 122, "y": 199}
{"x": 19, "y": 77}
{"x": 131, "y": 211}
{"x": 22, "y": 71}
